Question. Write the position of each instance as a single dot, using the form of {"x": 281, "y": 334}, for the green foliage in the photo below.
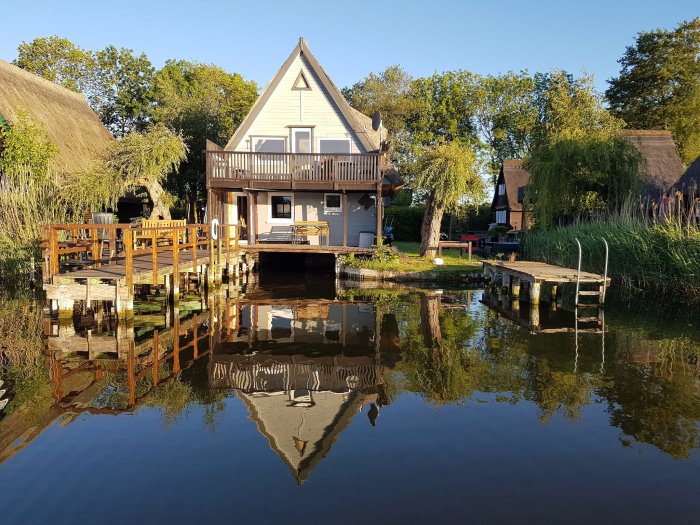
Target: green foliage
{"x": 659, "y": 84}
{"x": 448, "y": 174}
{"x": 121, "y": 89}
{"x": 58, "y": 60}
{"x": 570, "y": 109}
{"x": 406, "y": 221}
{"x": 26, "y": 148}
{"x": 145, "y": 159}
{"x": 390, "y": 92}
{"x": 573, "y": 177}
{"x": 201, "y": 102}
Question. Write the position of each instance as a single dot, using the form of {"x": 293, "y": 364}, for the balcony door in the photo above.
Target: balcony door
{"x": 302, "y": 163}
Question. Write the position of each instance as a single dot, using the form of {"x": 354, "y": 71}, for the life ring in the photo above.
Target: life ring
{"x": 215, "y": 229}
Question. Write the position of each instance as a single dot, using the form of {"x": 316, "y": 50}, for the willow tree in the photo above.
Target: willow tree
{"x": 581, "y": 177}
{"x": 448, "y": 174}
{"x": 145, "y": 160}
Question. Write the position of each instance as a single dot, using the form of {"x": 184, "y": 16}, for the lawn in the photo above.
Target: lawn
{"x": 409, "y": 260}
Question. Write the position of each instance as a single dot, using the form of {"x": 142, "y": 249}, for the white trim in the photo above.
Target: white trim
{"x": 328, "y": 210}
{"x": 272, "y": 220}
{"x": 346, "y": 139}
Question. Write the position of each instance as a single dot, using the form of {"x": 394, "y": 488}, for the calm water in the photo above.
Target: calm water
{"x": 310, "y": 403}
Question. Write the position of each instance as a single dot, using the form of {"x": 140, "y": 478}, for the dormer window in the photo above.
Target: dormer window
{"x": 501, "y": 189}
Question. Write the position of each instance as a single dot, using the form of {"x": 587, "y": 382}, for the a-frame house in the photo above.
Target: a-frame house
{"x": 302, "y": 154}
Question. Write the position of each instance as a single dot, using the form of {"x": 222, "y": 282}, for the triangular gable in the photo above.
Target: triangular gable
{"x": 349, "y": 114}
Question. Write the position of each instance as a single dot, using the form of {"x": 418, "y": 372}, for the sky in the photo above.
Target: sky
{"x": 254, "y": 37}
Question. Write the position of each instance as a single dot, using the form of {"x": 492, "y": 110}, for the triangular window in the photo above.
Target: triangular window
{"x": 301, "y": 83}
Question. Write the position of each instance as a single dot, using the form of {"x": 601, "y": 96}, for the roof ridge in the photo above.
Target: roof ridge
{"x": 41, "y": 80}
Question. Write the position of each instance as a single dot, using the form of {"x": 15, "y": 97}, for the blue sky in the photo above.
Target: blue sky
{"x": 351, "y": 39}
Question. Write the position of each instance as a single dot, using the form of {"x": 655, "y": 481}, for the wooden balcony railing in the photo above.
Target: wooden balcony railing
{"x": 292, "y": 168}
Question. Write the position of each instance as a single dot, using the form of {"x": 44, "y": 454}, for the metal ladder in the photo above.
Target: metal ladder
{"x": 580, "y": 292}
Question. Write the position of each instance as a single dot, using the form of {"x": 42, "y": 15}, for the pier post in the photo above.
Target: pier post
{"x": 505, "y": 281}
{"x": 535, "y": 293}
{"x": 176, "y": 266}
{"x": 515, "y": 288}
{"x": 129, "y": 272}
{"x": 166, "y": 285}
{"x": 534, "y": 316}
{"x": 553, "y": 293}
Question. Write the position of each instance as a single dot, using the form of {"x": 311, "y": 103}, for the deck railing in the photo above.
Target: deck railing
{"x": 67, "y": 246}
{"x": 353, "y": 168}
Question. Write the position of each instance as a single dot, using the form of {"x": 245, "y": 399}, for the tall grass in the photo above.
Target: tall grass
{"x": 660, "y": 255}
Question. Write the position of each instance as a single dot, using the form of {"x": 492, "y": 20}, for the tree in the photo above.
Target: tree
{"x": 659, "y": 84}
{"x": 505, "y": 116}
{"x": 121, "y": 89}
{"x": 570, "y": 108}
{"x": 391, "y": 92}
{"x": 571, "y": 177}
{"x": 58, "y": 60}
{"x": 145, "y": 159}
{"x": 201, "y": 102}
{"x": 26, "y": 148}
{"x": 449, "y": 176}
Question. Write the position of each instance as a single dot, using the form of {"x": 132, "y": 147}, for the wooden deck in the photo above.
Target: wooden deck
{"x": 535, "y": 274}
{"x": 303, "y": 248}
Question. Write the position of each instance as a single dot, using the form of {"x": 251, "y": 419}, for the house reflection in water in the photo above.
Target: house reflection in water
{"x": 303, "y": 370}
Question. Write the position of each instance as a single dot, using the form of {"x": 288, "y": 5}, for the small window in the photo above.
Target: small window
{"x": 501, "y": 189}
{"x": 330, "y": 146}
{"x": 280, "y": 207}
{"x": 332, "y": 203}
{"x": 501, "y": 216}
{"x": 268, "y": 145}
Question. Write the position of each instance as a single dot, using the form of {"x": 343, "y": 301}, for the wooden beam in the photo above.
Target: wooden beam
{"x": 254, "y": 223}
{"x": 379, "y": 214}
{"x": 345, "y": 219}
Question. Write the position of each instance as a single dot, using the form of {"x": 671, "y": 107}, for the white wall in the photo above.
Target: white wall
{"x": 289, "y": 107}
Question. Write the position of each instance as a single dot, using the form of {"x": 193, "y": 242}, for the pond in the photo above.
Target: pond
{"x": 309, "y": 401}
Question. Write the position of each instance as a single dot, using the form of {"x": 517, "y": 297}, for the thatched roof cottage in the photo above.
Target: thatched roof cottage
{"x": 70, "y": 122}
{"x": 663, "y": 166}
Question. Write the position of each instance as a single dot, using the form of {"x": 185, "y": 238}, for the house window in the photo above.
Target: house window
{"x": 330, "y": 146}
{"x": 501, "y": 189}
{"x": 501, "y": 217}
{"x": 268, "y": 144}
{"x": 281, "y": 206}
{"x": 332, "y": 203}
{"x": 301, "y": 140}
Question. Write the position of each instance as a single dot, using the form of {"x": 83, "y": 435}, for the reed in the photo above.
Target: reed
{"x": 658, "y": 252}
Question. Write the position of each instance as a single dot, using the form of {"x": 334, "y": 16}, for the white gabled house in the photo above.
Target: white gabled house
{"x": 301, "y": 154}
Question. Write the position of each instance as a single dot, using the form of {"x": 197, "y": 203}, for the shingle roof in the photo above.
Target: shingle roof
{"x": 663, "y": 166}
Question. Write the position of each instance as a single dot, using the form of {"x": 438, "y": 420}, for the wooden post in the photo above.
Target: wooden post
{"x": 553, "y": 293}
{"x": 345, "y": 219}
{"x": 176, "y": 266}
{"x": 129, "y": 271}
{"x": 217, "y": 267}
{"x": 176, "y": 345}
{"x": 515, "y": 289}
{"x": 53, "y": 251}
{"x": 131, "y": 372}
{"x": 470, "y": 250}
{"x": 380, "y": 237}
{"x": 535, "y": 294}
{"x": 254, "y": 222}
{"x": 154, "y": 256}
{"x": 94, "y": 246}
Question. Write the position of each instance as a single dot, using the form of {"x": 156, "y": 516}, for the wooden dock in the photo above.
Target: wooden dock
{"x": 514, "y": 274}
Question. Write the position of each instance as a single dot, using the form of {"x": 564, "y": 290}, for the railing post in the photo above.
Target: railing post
{"x": 95, "y": 242}
{"x": 218, "y": 268}
{"x": 128, "y": 273}
{"x": 154, "y": 256}
{"x": 176, "y": 266}
{"x": 193, "y": 242}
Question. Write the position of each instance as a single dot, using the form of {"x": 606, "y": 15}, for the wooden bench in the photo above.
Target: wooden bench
{"x": 455, "y": 244}
{"x": 164, "y": 226}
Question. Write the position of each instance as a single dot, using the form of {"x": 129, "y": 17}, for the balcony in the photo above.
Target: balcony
{"x": 302, "y": 171}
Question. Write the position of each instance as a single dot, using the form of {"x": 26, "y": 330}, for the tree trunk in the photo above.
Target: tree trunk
{"x": 430, "y": 229}
{"x": 156, "y": 193}
{"x": 430, "y": 319}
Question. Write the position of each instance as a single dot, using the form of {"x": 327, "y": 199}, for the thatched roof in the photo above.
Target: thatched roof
{"x": 71, "y": 124}
{"x": 663, "y": 166}
{"x": 690, "y": 180}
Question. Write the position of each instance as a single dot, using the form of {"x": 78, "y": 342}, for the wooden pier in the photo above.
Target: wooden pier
{"x": 104, "y": 262}
{"x": 535, "y": 275}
